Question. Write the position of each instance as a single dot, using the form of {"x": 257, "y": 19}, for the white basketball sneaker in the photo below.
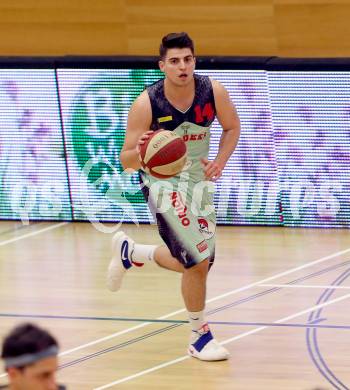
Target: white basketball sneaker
{"x": 203, "y": 346}
{"x": 122, "y": 248}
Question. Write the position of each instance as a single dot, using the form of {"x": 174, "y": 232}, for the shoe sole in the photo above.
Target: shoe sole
{"x": 116, "y": 238}
{"x": 207, "y": 360}
{"x": 115, "y": 241}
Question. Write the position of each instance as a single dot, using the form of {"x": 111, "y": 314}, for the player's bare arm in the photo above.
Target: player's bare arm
{"x": 137, "y": 131}
{"x": 229, "y": 121}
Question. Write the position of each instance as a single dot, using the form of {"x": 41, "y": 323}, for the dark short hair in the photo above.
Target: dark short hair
{"x": 26, "y": 339}
{"x": 175, "y": 40}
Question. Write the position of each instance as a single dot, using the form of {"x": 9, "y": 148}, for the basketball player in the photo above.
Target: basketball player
{"x": 187, "y": 104}
{"x": 30, "y": 357}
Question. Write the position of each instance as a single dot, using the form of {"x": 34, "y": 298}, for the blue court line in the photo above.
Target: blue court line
{"x": 155, "y": 321}
{"x": 177, "y": 323}
{"x": 279, "y": 325}
{"x": 118, "y": 346}
{"x": 210, "y": 312}
{"x": 150, "y": 334}
{"x": 180, "y": 323}
{"x": 312, "y": 341}
{"x": 122, "y": 319}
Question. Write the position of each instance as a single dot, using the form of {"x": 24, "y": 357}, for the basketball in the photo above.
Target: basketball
{"x": 163, "y": 155}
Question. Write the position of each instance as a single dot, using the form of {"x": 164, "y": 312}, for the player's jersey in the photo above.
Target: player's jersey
{"x": 184, "y": 208}
{"x": 193, "y": 125}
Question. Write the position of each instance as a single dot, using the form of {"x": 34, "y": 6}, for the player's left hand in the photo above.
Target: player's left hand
{"x": 212, "y": 170}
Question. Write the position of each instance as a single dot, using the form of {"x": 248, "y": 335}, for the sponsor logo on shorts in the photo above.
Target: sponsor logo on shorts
{"x": 207, "y": 228}
{"x": 180, "y": 208}
{"x": 202, "y": 246}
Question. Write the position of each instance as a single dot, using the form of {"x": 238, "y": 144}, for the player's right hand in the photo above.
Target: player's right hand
{"x": 143, "y": 138}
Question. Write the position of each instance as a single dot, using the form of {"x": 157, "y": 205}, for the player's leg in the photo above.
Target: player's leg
{"x": 186, "y": 240}
{"x": 202, "y": 345}
{"x": 126, "y": 253}
{"x": 164, "y": 259}
{"x": 186, "y": 244}
{"x": 193, "y": 286}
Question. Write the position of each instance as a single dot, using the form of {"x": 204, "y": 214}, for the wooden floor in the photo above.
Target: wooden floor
{"x": 269, "y": 302}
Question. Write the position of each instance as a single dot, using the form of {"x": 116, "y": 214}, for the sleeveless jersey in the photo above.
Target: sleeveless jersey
{"x": 193, "y": 125}
{"x": 184, "y": 209}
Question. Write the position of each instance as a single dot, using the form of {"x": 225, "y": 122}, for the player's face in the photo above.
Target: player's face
{"x": 38, "y": 376}
{"x": 178, "y": 66}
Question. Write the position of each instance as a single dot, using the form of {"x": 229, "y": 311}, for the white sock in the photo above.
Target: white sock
{"x": 196, "y": 319}
{"x": 143, "y": 253}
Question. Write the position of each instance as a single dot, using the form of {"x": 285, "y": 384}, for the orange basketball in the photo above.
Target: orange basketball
{"x": 164, "y": 154}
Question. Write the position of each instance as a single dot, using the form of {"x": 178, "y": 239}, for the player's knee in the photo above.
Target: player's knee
{"x": 201, "y": 268}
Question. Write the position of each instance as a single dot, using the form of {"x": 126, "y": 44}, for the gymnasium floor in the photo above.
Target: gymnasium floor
{"x": 277, "y": 298}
